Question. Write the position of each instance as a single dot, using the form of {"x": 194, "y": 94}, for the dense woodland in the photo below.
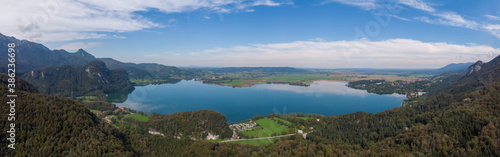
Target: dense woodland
{"x": 191, "y": 124}
{"x": 91, "y": 79}
{"x": 389, "y": 87}
{"x": 148, "y": 71}
{"x": 55, "y": 126}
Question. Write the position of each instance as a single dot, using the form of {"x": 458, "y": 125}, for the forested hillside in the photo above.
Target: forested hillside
{"x": 54, "y": 126}
{"x": 147, "y": 70}
{"x": 191, "y": 124}
{"x": 91, "y": 79}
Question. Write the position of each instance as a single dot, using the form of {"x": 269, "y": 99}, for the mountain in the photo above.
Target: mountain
{"x": 146, "y": 70}
{"x": 478, "y": 75}
{"x": 455, "y": 67}
{"x": 55, "y": 126}
{"x": 31, "y": 55}
{"x": 93, "y": 78}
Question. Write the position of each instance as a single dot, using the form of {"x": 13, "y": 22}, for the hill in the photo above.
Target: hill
{"x": 53, "y": 126}
{"x": 147, "y": 70}
{"x": 91, "y": 79}
{"x": 477, "y": 76}
{"x": 191, "y": 124}
{"x": 455, "y": 67}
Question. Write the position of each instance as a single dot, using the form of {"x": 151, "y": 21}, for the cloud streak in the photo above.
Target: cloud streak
{"x": 393, "y": 53}
{"x": 58, "y": 20}
{"x": 79, "y": 45}
{"x": 418, "y": 4}
{"x": 364, "y": 4}
{"x": 450, "y": 19}
{"x": 447, "y": 18}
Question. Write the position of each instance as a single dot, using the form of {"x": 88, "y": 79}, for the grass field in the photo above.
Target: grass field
{"x": 305, "y": 118}
{"x": 138, "y": 117}
{"x": 291, "y": 78}
{"x": 268, "y": 128}
{"x": 284, "y": 121}
{"x": 300, "y": 77}
{"x": 87, "y": 99}
{"x": 249, "y": 79}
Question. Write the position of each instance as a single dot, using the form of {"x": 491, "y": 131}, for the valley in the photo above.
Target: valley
{"x": 309, "y": 112}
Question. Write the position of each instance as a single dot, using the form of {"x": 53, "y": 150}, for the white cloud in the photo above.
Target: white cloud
{"x": 266, "y": 3}
{"x": 173, "y": 53}
{"x": 79, "y": 45}
{"x": 418, "y": 4}
{"x": 60, "y": 20}
{"x": 491, "y": 17}
{"x": 450, "y": 19}
{"x": 152, "y": 55}
{"x": 207, "y": 17}
{"x": 394, "y": 53}
{"x": 494, "y": 29}
{"x": 119, "y": 37}
{"x": 453, "y": 19}
{"x": 364, "y": 4}
{"x": 401, "y": 18}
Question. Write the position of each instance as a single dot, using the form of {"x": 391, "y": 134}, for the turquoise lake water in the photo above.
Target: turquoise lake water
{"x": 322, "y": 97}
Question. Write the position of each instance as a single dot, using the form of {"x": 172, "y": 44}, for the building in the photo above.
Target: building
{"x": 421, "y": 93}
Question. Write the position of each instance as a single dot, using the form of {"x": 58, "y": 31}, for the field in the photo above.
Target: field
{"x": 357, "y": 77}
{"x": 138, "y": 117}
{"x": 268, "y": 128}
{"x": 305, "y": 118}
{"x": 247, "y": 80}
{"x": 87, "y": 99}
{"x": 301, "y": 77}
{"x": 284, "y": 121}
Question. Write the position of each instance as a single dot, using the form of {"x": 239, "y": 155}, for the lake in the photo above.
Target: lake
{"x": 322, "y": 97}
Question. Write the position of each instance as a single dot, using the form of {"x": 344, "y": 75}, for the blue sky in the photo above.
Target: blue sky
{"x": 305, "y": 33}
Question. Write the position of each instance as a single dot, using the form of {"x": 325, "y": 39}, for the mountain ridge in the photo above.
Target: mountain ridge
{"x": 66, "y": 80}
{"x": 460, "y": 67}
{"x": 31, "y": 56}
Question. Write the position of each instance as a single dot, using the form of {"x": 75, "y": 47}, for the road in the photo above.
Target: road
{"x": 258, "y": 138}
